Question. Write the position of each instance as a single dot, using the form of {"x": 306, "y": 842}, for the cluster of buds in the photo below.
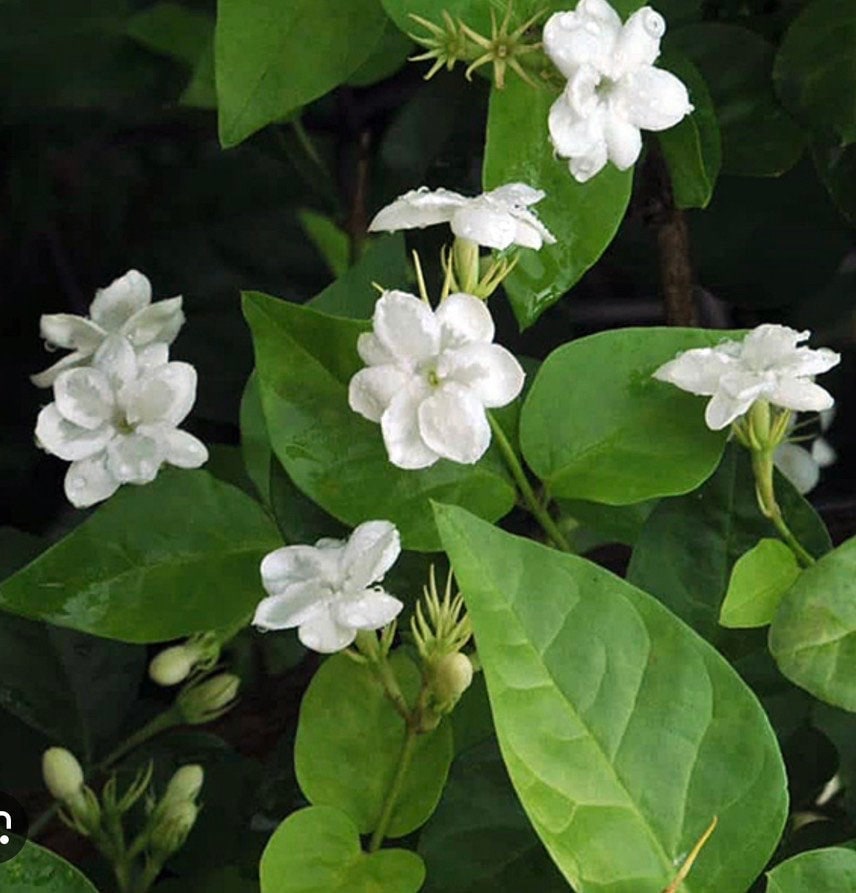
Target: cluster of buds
{"x": 174, "y": 815}
{"x": 175, "y": 664}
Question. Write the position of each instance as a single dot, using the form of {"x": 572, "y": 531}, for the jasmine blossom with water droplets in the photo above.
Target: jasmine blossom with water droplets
{"x": 613, "y": 90}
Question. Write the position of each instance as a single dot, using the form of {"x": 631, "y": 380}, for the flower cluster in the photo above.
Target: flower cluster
{"x": 118, "y": 400}
{"x": 613, "y": 89}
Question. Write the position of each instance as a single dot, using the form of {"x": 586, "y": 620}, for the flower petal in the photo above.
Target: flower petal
{"x": 638, "y": 43}
{"x": 47, "y": 377}
{"x": 806, "y": 361}
{"x": 799, "y": 394}
{"x": 165, "y": 394}
{"x": 723, "y": 409}
{"x": 298, "y": 604}
{"x": 623, "y": 142}
{"x": 371, "y": 551}
{"x": 484, "y": 223}
{"x": 650, "y": 98}
{"x": 84, "y": 396}
{"x": 698, "y": 371}
{"x": 585, "y": 36}
{"x": 117, "y": 360}
{"x": 584, "y": 167}
{"x": 371, "y": 390}
{"x": 88, "y": 481}
{"x": 418, "y": 208}
{"x": 323, "y": 634}
{"x": 406, "y": 327}
{"x": 72, "y": 332}
{"x": 373, "y": 610}
{"x": 769, "y": 345}
{"x": 488, "y": 371}
{"x": 400, "y": 428}
{"x": 464, "y": 319}
{"x": 530, "y": 233}
{"x": 182, "y": 449}
{"x": 453, "y": 423}
{"x": 798, "y": 466}
{"x": 823, "y": 453}
{"x": 516, "y": 194}
{"x": 290, "y": 565}
{"x": 571, "y": 134}
{"x": 160, "y": 322}
{"x": 371, "y": 351}
{"x": 118, "y": 302}
{"x": 151, "y": 356}
{"x": 62, "y": 438}
{"x": 134, "y": 458}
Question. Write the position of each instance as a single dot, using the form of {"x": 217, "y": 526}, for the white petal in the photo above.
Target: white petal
{"x": 371, "y": 390}
{"x": 723, "y": 409}
{"x": 372, "y": 352}
{"x": 805, "y": 396}
{"x": 88, "y": 481}
{"x": 165, "y": 394}
{"x": 182, "y": 449}
{"x": 400, "y": 428}
{"x": 531, "y": 233}
{"x": 798, "y": 466}
{"x": 289, "y": 565}
{"x": 118, "y": 302}
{"x": 371, "y": 551}
{"x": 580, "y": 91}
{"x": 488, "y": 371}
{"x": 47, "y": 377}
{"x": 805, "y": 361}
{"x": 157, "y": 322}
{"x": 623, "y": 142}
{"x": 418, "y": 208}
{"x": 823, "y": 453}
{"x": 298, "y": 604}
{"x": 571, "y": 134}
{"x": 586, "y": 35}
{"x": 406, "y": 327}
{"x": 84, "y": 396}
{"x": 584, "y": 167}
{"x": 72, "y": 332}
{"x": 516, "y": 194}
{"x": 373, "y": 610}
{"x": 323, "y": 634}
{"x": 485, "y": 224}
{"x": 151, "y": 356}
{"x": 698, "y": 371}
{"x": 65, "y": 439}
{"x": 464, "y": 319}
{"x": 638, "y": 43}
{"x": 770, "y": 345}
{"x": 650, "y": 98}
{"x": 453, "y": 423}
{"x": 134, "y": 458}
{"x": 117, "y": 360}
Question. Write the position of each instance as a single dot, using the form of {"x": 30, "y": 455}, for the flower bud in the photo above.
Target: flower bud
{"x": 62, "y": 774}
{"x": 172, "y": 826}
{"x": 209, "y": 699}
{"x": 185, "y": 784}
{"x": 452, "y": 676}
{"x": 172, "y": 665}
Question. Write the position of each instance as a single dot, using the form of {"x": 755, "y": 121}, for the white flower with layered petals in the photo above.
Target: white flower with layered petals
{"x": 802, "y": 466}
{"x": 613, "y": 88}
{"x": 117, "y": 420}
{"x": 429, "y": 377}
{"x": 122, "y": 308}
{"x": 496, "y": 219}
{"x": 328, "y": 590}
{"x": 766, "y": 365}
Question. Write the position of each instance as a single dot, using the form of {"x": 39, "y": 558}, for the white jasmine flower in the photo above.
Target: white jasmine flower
{"x": 802, "y": 466}
{"x": 613, "y": 88}
{"x": 117, "y": 420}
{"x": 766, "y": 365}
{"x": 496, "y": 219}
{"x": 123, "y": 308}
{"x": 429, "y": 377}
{"x": 327, "y": 590}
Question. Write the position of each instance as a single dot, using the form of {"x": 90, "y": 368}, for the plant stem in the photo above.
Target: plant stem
{"x": 394, "y": 791}
{"x": 539, "y": 512}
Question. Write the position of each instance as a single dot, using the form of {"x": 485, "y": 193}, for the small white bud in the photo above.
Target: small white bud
{"x": 185, "y": 784}
{"x": 453, "y": 675}
{"x": 62, "y": 773}
{"x": 172, "y": 826}
{"x": 172, "y": 665}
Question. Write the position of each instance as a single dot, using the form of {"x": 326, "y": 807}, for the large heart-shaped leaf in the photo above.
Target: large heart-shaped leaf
{"x": 819, "y": 871}
{"x": 304, "y": 360}
{"x": 623, "y": 731}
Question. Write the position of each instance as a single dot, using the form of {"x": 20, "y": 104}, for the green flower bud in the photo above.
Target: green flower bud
{"x": 184, "y": 785}
{"x": 452, "y": 676}
{"x": 208, "y": 699}
{"x": 172, "y": 665}
{"x": 62, "y": 774}
{"x": 172, "y": 826}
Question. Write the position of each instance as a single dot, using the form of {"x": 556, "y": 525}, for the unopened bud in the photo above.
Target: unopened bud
{"x": 172, "y": 826}
{"x": 62, "y": 774}
{"x": 453, "y": 675}
{"x": 173, "y": 665}
{"x": 185, "y": 784}
{"x": 209, "y": 699}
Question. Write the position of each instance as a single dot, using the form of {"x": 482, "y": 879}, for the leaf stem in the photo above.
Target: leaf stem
{"x": 538, "y": 511}
{"x": 392, "y": 795}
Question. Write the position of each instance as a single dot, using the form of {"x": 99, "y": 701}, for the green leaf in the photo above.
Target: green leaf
{"x": 759, "y": 139}
{"x": 693, "y": 148}
{"x": 608, "y": 523}
{"x": 582, "y": 216}
{"x": 688, "y": 546}
{"x": 175, "y": 557}
{"x": 597, "y": 426}
{"x": 479, "y": 839}
{"x": 813, "y": 635}
{"x": 820, "y": 871}
{"x": 317, "y": 850}
{"x": 759, "y": 579}
{"x": 836, "y": 167}
{"x": 255, "y": 446}
{"x": 273, "y": 57}
{"x": 348, "y": 744}
{"x": 172, "y": 30}
{"x": 332, "y": 243}
{"x": 815, "y": 71}
{"x": 337, "y": 458}
{"x": 38, "y": 869}
{"x": 624, "y": 732}
{"x": 388, "y": 56}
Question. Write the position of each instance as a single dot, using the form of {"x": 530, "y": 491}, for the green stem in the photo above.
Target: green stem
{"x": 394, "y": 791}
{"x": 541, "y": 515}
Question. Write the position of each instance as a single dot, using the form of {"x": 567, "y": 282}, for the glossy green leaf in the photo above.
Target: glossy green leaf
{"x": 479, "y": 839}
{"x": 815, "y": 74}
{"x": 688, "y": 546}
{"x": 759, "y": 138}
{"x": 390, "y": 53}
{"x": 337, "y": 458}
{"x": 37, "y": 869}
{"x": 332, "y": 243}
{"x": 607, "y": 523}
{"x": 317, "y": 850}
{"x": 349, "y": 740}
{"x": 820, "y": 871}
{"x": 582, "y": 216}
{"x": 813, "y": 635}
{"x": 153, "y": 563}
{"x": 759, "y": 579}
{"x": 693, "y": 148}
{"x": 255, "y": 445}
{"x": 597, "y": 426}
{"x": 624, "y": 732}
{"x": 272, "y": 57}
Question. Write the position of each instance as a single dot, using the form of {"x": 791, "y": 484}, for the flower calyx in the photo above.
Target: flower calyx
{"x": 446, "y": 44}
{"x": 203, "y": 700}
{"x": 503, "y": 48}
